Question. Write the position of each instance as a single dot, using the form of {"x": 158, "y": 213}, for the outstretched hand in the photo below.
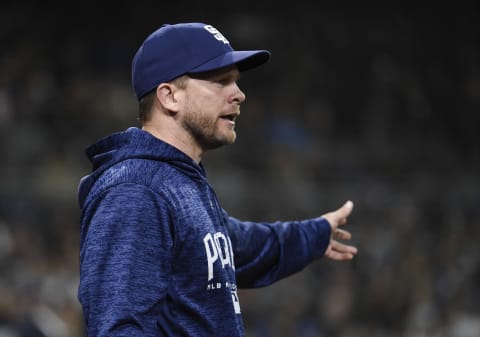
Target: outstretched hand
{"x": 336, "y": 250}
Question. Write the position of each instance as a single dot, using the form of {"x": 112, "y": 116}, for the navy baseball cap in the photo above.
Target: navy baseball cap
{"x": 178, "y": 49}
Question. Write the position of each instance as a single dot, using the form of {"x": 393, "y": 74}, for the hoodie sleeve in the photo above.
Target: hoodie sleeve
{"x": 125, "y": 262}
{"x": 267, "y": 252}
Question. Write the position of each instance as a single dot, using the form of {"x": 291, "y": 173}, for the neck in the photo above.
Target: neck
{"x": 170, "y": 135}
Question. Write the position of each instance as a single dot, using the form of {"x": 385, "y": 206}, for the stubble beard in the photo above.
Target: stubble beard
{"x": 206, "y": 132}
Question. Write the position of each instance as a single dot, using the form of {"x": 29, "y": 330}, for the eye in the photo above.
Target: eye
{"x": 223, "y": 81}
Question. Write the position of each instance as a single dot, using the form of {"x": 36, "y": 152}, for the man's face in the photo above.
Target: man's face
{"x": 212, "y": 103}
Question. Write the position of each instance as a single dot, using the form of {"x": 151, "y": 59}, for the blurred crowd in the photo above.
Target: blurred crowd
{"x": 380, "y": 106}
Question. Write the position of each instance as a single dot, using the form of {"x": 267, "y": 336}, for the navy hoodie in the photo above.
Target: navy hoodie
{"x": 158, "y": 254}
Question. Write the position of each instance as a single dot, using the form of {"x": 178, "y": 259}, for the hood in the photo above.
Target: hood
{"x": 133, "y": 143}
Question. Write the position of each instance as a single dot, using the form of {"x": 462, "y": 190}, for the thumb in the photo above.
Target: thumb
{"x": 339, "y": 216}
{"x": 346, "y": 209}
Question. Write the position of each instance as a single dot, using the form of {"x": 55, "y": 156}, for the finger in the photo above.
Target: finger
{"x": 336, "y": 256}
{"x": 343, "y": 248}
{"x": 341, "y": 234}
{"x": 337, "y": 253}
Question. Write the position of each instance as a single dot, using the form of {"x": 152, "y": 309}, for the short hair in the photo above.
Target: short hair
{"x": 145, "y": 104}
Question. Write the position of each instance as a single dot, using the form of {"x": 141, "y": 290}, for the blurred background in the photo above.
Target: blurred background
{"x": 379, "y": 105}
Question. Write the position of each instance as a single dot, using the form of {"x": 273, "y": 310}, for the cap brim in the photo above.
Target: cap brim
{"x": 244, "y": 60}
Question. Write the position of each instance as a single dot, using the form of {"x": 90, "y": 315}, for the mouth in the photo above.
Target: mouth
{"x": 230, "y": 117}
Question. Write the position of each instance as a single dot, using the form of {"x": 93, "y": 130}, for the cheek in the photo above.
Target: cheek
{"x": 209, "y": 100}
{"x": 196, "y": 102}
{"x": 205, "y": 104}
{"x": 208, "y": 110}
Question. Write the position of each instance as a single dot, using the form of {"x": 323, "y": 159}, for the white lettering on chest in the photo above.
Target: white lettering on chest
{"x": 218, "y": 248}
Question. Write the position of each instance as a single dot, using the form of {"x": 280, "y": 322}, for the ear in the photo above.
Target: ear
{"x": 167, "y": 95}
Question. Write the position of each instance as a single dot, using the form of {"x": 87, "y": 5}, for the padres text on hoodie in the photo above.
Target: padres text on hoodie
{"x": 158, "y": 254}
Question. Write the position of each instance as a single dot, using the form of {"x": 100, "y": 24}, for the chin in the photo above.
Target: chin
{"x": 220, "y": 141}
{"x": 232, "y": 139}
{"x": 227, "y": 138}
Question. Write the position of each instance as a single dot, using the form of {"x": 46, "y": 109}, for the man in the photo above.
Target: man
{"x": 159, "y": 256}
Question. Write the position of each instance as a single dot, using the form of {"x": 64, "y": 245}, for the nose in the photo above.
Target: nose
{"x": 238, "y": 96}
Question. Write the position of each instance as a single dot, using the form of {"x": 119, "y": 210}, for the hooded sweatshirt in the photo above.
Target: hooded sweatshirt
{"x": 158, "y": 254}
